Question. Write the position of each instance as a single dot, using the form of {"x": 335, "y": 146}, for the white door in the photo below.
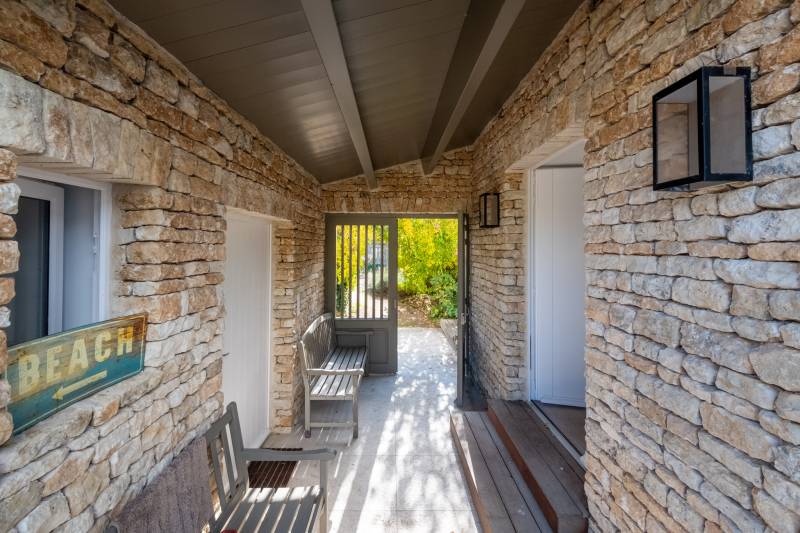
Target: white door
{"x": 246, "y": 368}
{"x": 558, "y": 286}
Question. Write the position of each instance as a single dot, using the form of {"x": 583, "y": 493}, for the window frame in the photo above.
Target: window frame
{"x": 55, "y": 272}
{"x": 101, "y": 297}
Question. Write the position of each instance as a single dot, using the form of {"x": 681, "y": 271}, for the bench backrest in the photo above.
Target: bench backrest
{"x": 225, "y": 444}
{"x": 317, "y": 342}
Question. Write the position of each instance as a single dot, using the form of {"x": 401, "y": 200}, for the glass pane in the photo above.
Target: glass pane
{"x": 728, "y": 151}
{"x": 677, "y": 134}
{"x": 29, "y": 306}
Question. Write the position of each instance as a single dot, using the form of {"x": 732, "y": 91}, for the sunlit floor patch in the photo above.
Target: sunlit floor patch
{"x": 402, "y": 473}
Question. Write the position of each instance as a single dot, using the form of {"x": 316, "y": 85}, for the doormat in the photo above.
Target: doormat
{"x": 272, "y": 474}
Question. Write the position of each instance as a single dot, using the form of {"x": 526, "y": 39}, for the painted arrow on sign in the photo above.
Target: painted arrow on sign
{"x": 72, "y": 387}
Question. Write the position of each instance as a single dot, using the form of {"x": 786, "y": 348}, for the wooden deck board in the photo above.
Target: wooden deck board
{"x": 491, "y": 512}
{"x": 551, "y": 476}
{"x": 502, "y": 499}
{"x": 510, "y": 495}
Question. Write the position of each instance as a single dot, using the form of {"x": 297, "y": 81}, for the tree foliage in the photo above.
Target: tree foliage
{"x": 428, "y": 262}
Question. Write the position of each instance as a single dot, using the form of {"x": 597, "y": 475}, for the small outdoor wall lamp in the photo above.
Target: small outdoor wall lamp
{"x": 489, "y": 210}
{"x": 702, "y": 131}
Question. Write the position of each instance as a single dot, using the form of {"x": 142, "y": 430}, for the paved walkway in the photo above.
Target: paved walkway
{"x": 402, "y": 473}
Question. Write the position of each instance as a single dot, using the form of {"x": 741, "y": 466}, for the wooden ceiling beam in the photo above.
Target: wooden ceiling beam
{"x": 325, "y": 30}
{"x": 468, "y": 67}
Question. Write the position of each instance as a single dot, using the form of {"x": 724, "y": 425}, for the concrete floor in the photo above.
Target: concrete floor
{"x": 402, "y": 473}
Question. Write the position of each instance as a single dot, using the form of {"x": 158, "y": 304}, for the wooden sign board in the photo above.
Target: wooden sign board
{"x": 50, "y": 373}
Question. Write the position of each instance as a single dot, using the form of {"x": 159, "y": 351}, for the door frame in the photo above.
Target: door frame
{"x": 533, "y": 295}
{"x": 270, "y": 222}
{"x": 463, "y": 253}
{"x": 530, "y": 276}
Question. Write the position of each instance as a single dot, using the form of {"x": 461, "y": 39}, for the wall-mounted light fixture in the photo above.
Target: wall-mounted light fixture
{"x": 702, "y": 130}
{"x": 489, "y": 210}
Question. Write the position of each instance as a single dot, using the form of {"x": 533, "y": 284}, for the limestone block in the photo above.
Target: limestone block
{"x": 740, "y": 433}
{"x": 79, "y": 524}
{"x": 85, "y": 65}
{"x": 657, "y": 326}
{"x": 712, "y": 295}
{"x": 788, "y": 406}
{"x": 775, "y": 515}
{"x": 161, "y": 82}
{"x": 14, "y": 481}
{"x": 700, "y": 369}
{"x": 777, "y": 365}
{"x": 783, "y": 490}
{"x": 47, "y": 435}
{"x": 780, "y": 194}
{"x": 787, "y": 460}
{"x": 52, "y": 512}
{"x": 21, "y": 26}
{"x": 127, "y": 58}
{"x": 21, "y": 115}
{"x": 783, "y": 166}
{"x": 92, "y": 33}
{"x": 108, "y": 499}
{"x": 754, "y": 35}
{"x": 723, "y": 349}
{"x": 788, "y": 431}
{"x": 738, "y": 201}
{"x": 702, "y": 228}
{"x": 759, "y": 274}
{"x": 746, "y": 387}
{"x": 19, "y": 504}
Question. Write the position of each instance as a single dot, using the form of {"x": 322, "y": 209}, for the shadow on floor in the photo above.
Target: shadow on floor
{"x": 402, "y": 473}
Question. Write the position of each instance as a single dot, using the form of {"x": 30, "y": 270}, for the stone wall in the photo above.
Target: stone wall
{"x": 84, "y": 92}
{"x": 693, "y": 368}
{"x": 406, "y": 188}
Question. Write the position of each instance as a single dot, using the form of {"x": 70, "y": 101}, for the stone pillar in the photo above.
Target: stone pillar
{"x": 9, "y": 260}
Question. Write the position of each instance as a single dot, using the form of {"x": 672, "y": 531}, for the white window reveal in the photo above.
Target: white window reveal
{"x": 63, "y": 228}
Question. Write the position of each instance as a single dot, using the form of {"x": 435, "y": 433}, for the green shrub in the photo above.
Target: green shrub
{"x": 428, "y": 262}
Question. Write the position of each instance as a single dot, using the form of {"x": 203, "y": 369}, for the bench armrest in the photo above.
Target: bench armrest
{"x": 263, "y": 454}
{"x": 327, "y": 372}
{"x": 364, "y": 332}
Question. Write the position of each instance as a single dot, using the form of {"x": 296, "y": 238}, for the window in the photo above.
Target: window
{"x": 62, "y": 228}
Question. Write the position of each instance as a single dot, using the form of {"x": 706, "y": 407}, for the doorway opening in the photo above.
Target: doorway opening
{"x": 427, "y": 280}
{"x": 399, "y": 276}
{"x": 247, "y": 289}
{"x": 557, "y": 294}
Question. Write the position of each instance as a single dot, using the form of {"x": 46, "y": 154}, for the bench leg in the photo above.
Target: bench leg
{"x": 307, "y": 417}
{"x": 355, "y": 416}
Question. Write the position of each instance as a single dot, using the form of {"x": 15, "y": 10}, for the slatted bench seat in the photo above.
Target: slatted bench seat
{"x": 179, "y": 499}
{"x": 248, "y": 509}
{"x": 331, "y": 372}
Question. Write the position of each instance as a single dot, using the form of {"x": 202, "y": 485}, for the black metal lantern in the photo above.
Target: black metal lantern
{"x": 702, "y": 130}
{"x": 490, "y": 210}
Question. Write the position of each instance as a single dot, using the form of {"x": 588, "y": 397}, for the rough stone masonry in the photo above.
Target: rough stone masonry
{"x": 84, "y": 92}
{"x": 692, "y": 310}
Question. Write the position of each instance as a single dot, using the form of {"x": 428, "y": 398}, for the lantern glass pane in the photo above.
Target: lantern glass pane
{"x": 492, "y": 215}
{"x": 678, "y": 147}
{"x": 728, "y": 149}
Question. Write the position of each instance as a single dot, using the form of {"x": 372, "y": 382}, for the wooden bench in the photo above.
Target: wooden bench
{"x": 179, "y": 499}
{"x": 331, "y": 372}
{"x": 250, "y": 509}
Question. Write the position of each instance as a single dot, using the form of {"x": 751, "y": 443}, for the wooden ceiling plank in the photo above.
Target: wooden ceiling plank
{"x": 436, "y": 144}
{"x": 322, "y": 22}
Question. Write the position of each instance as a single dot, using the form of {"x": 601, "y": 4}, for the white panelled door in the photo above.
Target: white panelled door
{"x": 558, "y": 286}
{"x": 247, "y": 291}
